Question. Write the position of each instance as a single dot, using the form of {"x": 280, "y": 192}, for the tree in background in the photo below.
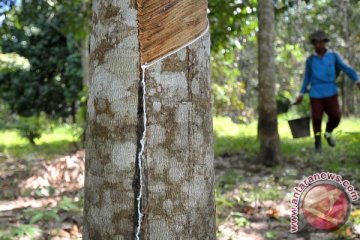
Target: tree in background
{"x": 53, "y": 36}
{"x": 74, "y": 19}
{"x": 348, "y": 97}
{"x": 234, "y": 47}
{"x": 51, "y": 84}
{"x": 151, "y": 136}
{"x": 41, "y": 75}
{"x": 268, "y": 126}
{"x": 233, "y": 31}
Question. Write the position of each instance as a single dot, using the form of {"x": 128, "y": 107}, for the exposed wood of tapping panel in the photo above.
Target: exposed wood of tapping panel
{"x": 165, "y": 25}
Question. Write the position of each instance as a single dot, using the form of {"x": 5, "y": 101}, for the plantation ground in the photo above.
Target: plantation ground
{"x": 41, "y": 186}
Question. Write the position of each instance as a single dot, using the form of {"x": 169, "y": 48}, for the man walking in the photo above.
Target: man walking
{"x": 321, "y": 71}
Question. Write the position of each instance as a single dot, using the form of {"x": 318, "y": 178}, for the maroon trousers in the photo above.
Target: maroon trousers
{"x": 331, "y": 107}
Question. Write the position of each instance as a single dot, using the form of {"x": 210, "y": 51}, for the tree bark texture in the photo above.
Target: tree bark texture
{"x": 177, "y": 164}
{"x": 268, "y": 125}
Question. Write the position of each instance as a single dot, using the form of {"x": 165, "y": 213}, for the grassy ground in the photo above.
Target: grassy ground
{"x": 229, "y": 138}
{"x": 57, "y": 141}
{"x": 344, "y": 158}
{"x": 252, "y": 201}
{"x": 233, "y": 138}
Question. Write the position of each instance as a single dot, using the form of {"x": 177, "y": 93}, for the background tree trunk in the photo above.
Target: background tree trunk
{"x": 268, "y": 126}
{"x": 85, "y": 58}
{"x": 348, "y": 98}
{"x": 178, "y": 175}
{"x": 84, "y": 47}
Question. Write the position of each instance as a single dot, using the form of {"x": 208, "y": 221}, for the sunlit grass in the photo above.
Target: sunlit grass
{"x": 55, "y": 141}
{"x": 231, "y": 137}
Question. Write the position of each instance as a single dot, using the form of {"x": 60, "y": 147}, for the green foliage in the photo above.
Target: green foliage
{"x": 290, "y": 64}
{"x": 234, "y": 58}
{"x": 53, "y": 81}
{"x": 76, "y": 15}
{"x": 68, "y": 205}
{"x": 26, "y": 231}
{"x": 228, "y": 21}
{"x": 229, "y": 180}
{"x": 234, "y": 50}
{"x": 240, "y": 219}
{"x": 269, "y": 193}
{"x": 6, "y": 119}
{"x": 262, "y": 192}
{"x": 31, "y": 219}
{"x": 221, "y": 200}
{"x": 226, "y": 98}
{"x": 271, "y": 235}
{"x": 227, "y": 90}
{"x": 36, "y": 215}
{"x": 12, "y": 62}
{"x": 223, "y": 204}
{"x": 233, "y": 28}
{"x": 43, "y": 191}
{"x": 299, "y": 111}
{"x": 82, "y": 108}
{"x": 283, "y": 102}
{"x": 32, "y": 127}
{"x": 234, "y": 19}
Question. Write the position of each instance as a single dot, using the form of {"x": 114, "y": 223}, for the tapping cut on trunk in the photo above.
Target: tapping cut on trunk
{"x": 165, "y": 26}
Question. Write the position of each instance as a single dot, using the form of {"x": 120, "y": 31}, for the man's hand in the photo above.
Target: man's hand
{"x": 299, "y": 100}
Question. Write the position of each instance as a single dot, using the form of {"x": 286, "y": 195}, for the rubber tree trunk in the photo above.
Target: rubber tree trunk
{"x": 268, "y": 125}
{"x": 177, "y": 160}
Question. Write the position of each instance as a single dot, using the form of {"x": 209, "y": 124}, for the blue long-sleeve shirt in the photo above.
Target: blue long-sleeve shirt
{"x": 320, "y": 74}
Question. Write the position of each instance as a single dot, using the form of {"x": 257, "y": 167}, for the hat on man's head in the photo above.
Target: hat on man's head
{"x": 319, "y": 35}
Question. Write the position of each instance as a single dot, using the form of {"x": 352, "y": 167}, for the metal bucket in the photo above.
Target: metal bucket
{"x": 300, "y": 127}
